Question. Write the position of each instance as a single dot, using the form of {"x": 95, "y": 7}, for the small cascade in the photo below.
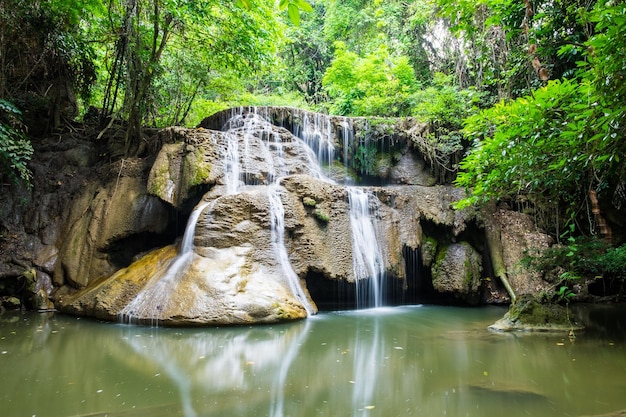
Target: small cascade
{"x": 154, "y": 297}
{"x": 367, "y": 259}
{"x": 347, "y": 133}
{"x": 277, "y": 212}
{"x": 232, "y": 169}
{"x": 316, "y": 131}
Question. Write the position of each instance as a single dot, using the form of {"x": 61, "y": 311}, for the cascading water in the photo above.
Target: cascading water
{"x": 154, "y": 297}
{"x": 316, "y": 132}
{"x": 255, "y": 154}
{"x": 347, "y": 132}
{"x": 255, "y": 127}
{"x": 277, "y": 212}
{"x": 232, "y": 165}
{"x": 367, "y": 260}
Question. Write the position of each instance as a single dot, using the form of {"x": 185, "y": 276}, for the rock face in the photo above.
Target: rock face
{"x": 275, "y": 229}
{"x": 457, "y": 271}
{"x": 528, "y": 315}
{"x": 519, "y": 234}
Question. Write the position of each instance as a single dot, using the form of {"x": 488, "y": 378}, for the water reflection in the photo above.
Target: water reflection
{"x": 410, "y": 361}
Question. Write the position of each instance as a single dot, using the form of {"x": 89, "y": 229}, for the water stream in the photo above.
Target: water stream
{"x": 368, "y": 263}
{"x": 154, "y": 296}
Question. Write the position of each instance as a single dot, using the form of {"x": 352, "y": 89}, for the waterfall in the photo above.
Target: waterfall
{"x": 367, "y": 260}
{"x": 277, "y": 213}
{"x": 348, "y": 139}
{"x": 155, "y": 295}
{"x": 232, "y": 167}
{"x": 272, "y": 151}
{"x": 316, "y": 132}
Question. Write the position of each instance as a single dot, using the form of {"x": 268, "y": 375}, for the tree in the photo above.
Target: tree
{"x": 15, "y": 149}
{"x": 44, "y": 58}
{"x": 214, "y": 34}
{"x": 562, "y": 147}
{"x": 377, "y": 84}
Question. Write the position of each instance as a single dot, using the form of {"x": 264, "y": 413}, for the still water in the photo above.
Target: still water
{"x": 402, "y": 361}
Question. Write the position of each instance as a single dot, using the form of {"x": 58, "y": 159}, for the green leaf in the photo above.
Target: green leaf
{"x": 283, "y": 4}
{"x": 294, "y": 14}
{"x": 304, "y": 6}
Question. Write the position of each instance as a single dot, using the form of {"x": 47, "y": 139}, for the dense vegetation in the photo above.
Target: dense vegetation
{"x": 532, "y": 92}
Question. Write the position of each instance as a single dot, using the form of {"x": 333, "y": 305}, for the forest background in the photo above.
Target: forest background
{"x": 525, "y": 100}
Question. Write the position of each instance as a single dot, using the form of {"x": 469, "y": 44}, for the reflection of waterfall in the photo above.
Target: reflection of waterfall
{"x": 212, "y": 368}
{"x": 368, "y": 348}
{"x": 277, "y": 212}
{"x": 278, "y": 391}
{"x": 367, "y": 260}
{"x": 152, "y": 300}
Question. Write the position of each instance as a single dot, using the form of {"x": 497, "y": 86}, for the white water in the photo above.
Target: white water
{"x": 232, "y": 165}
{"x": 348, "y": 140}
{"x": 367, "y": 260}
{"x": 277, "y": 211}
{"x": 153, "y": 298}
{"x": 316, "y": 132}
{"x": 255, "y": 128}
{"x": 316, "y": 136}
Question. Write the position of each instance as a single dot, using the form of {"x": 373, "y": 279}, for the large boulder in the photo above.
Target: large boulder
{"x": 100, "y": 217}
{"x": 457, "y": 272}
{"x": 529, "y": 315}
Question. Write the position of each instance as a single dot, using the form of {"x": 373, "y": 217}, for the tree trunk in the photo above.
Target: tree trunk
{"x": 494, "y": 243}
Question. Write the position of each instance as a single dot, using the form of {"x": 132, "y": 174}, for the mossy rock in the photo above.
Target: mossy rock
{"x": 321, "y": 216}
{"x": 529, "y": 315}
{"x": 309, "y": 202}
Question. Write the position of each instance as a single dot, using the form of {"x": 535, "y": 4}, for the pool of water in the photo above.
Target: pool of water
{"x": 401, "y": 361}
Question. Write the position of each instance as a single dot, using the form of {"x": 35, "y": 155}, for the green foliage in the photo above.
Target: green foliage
{"x": 364, "y": 160}
{"x": 375, "y": 85}
{"x": 529, "y": 147}
{"x": 564, "y": 294}
{"x": 164, "y": 54}
{"x": 45, "y": 57}
{"x": 304, "y": 57}
{"x": 15, "y": 149}
{"x": 443, "y": 107}
{"x": 550, "y": 148}
{"x": 587, "y": 258}
{"x": 293, "y": 9}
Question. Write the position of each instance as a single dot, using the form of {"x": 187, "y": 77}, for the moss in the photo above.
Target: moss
{"x": 197, "y": 169}
{"x": 321, "y": 216}
{"x": 281, "y": 312}
{"x": 309, "y": 202}
{"x": 529, "y": 311}
{"x": 159, "y": 184}
{"x": 383, "y": 164}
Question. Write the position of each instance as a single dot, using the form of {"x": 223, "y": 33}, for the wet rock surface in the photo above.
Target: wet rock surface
{"x": 529, "y": 315}
{"x": 99, "y": 228}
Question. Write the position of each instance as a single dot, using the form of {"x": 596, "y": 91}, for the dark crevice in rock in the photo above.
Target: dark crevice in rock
{"x": 124, "y": 251}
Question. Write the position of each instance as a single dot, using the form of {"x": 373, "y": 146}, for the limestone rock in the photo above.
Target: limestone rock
{"x": 100, "y": 217}
{"x": 457, "y": 271}
{"x": 527, "y": 314}
{"x": 232, "y": 276}
{"x": 519, "y": 235}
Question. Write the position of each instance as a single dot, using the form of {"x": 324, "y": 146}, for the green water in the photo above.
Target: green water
{"x": 405, "y": 361}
